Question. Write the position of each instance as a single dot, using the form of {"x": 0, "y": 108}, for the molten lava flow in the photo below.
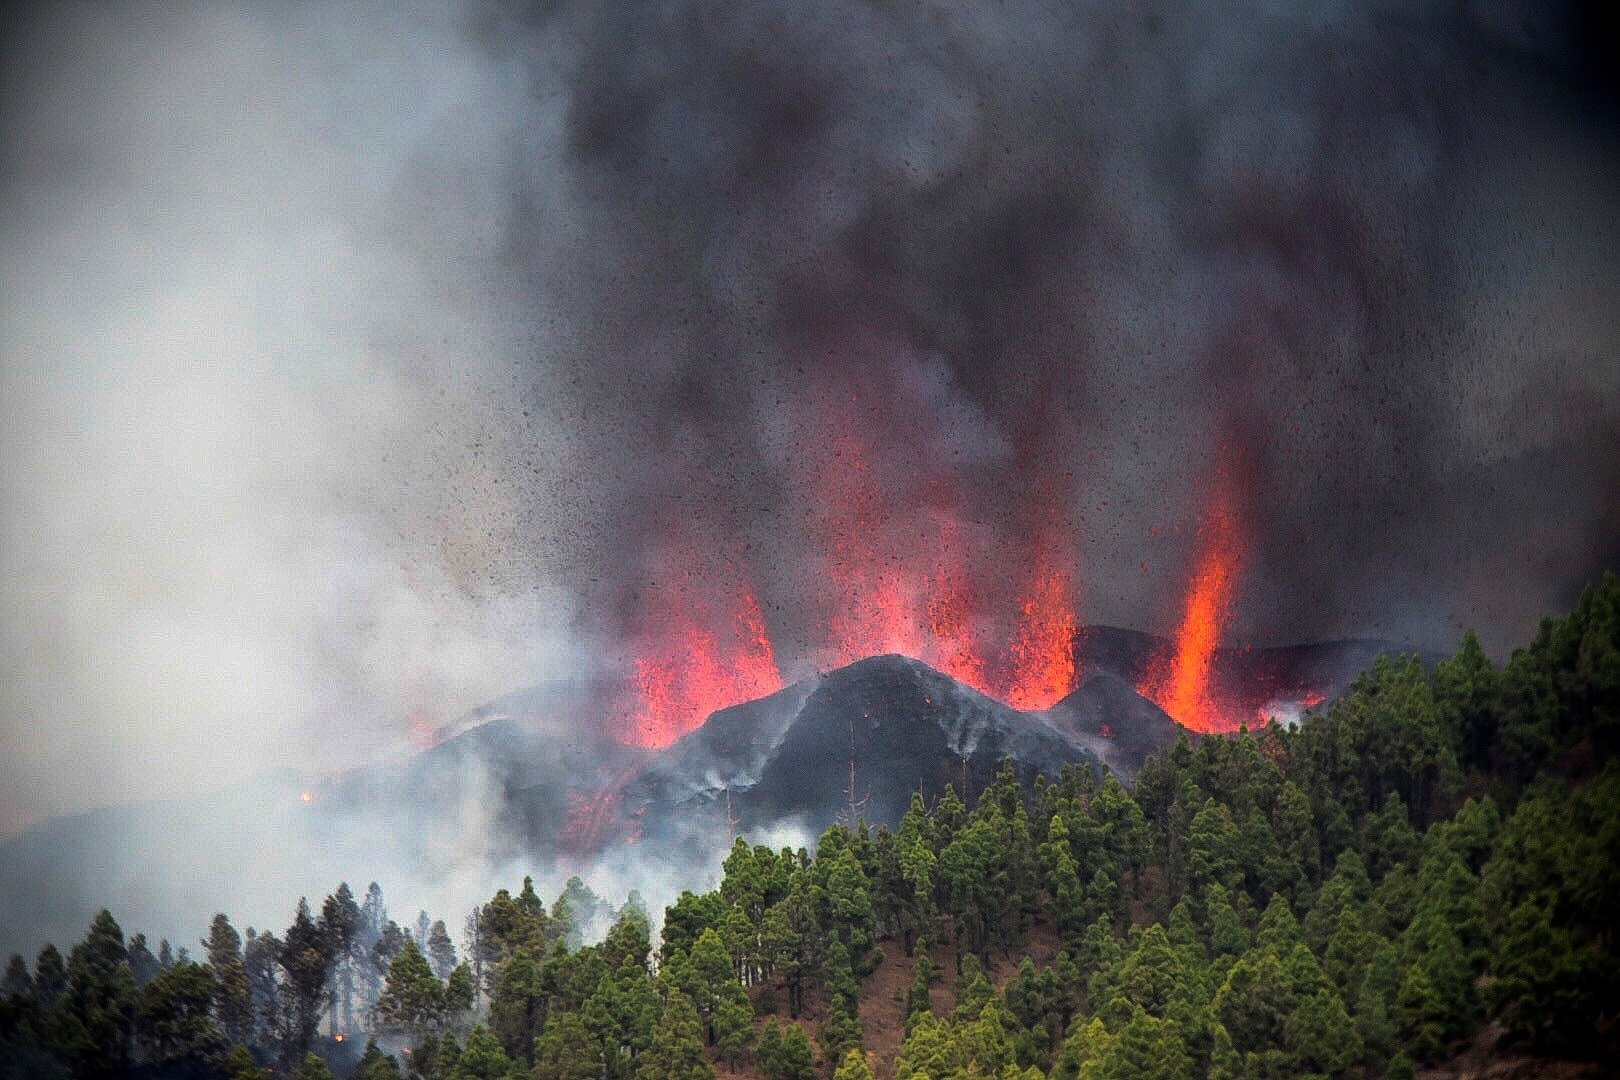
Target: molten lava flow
{"x": 1041, "y": 655}
{"x": 953, "y": 650}
{"x": 1183, "y": 688}
{"x": 594, "y": 817}
{"x": 896, "y": 562}
{"x": 708, "y": 657}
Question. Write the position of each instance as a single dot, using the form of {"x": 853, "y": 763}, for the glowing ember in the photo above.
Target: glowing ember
{"x": 1182, "y": 689}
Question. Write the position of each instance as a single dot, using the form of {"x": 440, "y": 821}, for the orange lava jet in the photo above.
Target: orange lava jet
{"x": 907, "y": 586}
{"x": 708, "y": 655}
{"x": 1182, "y": 687}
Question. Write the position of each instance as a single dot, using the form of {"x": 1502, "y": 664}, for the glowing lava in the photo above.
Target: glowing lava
{"x": 709, "y": 655}
{"x": 1182, "y": 688}
{"x": 949, "y": 614}
{"x": 897, "y": 562}
{"x": 1042, "y": 669}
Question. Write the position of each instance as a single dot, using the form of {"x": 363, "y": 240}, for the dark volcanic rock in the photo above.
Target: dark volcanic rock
{"x": 729, "y": 751}
{"x": 537, "y": 777}
{"x": 1110, "y": 718}
{"x": 905, "y": 727}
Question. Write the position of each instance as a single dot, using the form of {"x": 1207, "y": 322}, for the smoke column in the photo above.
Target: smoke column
{"x": 362, "y": 363}
{"x": 937, "y": 316}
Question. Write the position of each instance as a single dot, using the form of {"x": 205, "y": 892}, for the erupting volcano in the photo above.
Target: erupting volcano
{"x": 893, "y": 540}
{"x": 925, "y": 587}
{"x": 1180, "y": 684}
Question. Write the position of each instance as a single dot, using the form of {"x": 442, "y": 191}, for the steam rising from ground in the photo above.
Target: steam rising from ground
{"x": 362, "y": 364}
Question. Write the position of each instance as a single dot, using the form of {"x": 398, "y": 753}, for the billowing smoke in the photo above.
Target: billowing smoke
{"x": 362, "y": 364}
{"x": 1062, "y": 265}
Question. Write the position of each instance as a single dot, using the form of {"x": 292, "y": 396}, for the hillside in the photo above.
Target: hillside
{"x": 1419, "y": 880}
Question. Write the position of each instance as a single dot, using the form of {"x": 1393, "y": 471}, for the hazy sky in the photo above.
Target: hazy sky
{"x": 253, "y": 401}
{"x": 354, "y": 360}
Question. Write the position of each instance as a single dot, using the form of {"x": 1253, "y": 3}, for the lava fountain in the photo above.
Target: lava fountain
{"x": 1181, "y": 686}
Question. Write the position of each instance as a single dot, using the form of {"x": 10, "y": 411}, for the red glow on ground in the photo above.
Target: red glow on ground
{"x": 1181, "y": 687}
{"x": 589, "y": 818}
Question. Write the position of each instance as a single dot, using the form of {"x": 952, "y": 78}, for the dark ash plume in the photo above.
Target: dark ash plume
{"x": 1358, "y": 253}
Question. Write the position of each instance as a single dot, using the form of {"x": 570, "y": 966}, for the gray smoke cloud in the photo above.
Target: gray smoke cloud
{"x": 1356, "y": 256}
{"x": 362, "y": 363}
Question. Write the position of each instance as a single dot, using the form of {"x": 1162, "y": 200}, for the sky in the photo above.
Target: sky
{"x": 362, "y": 363}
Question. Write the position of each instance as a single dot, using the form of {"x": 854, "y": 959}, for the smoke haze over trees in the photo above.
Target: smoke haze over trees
{"x": 1424, "y": 869}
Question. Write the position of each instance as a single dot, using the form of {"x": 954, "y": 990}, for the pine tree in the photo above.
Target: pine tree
{"x": 175, "y": 1018}
{"x": 18, "y": 983}
{"x": 676, "y": 1052}
{"x": 413, "y": 998}
{"x": 567, "y": 1050}
{"x": 97, "y": 1013}
{"x": 919, "y": 1001}
{"x": 306, "y": 959}
{"x": 239, "y": 1065}
{"x": 516, "y": 1012}
{"x": 854, "y": 1067}
{"x": 973, "y": 990}
{"x": 1322, "y": 1038}
{"x": 341, "y": 922}
{"x": 233, "y": 1001}
{"x": 1150, "y": 1048}
{"x": 796, "y": 1060}
{"x": 376, "y": 1065}
{"x": 839, "y": 1032}
{"x": 734, "y": 1027}
{"x": 769, "y": 1052}
{"x": 482, "y": 1058}
{"x": 1467, "y": 694}
{"x": 260, "y": 954}
{"x": 142, "y": 964}
{"x": 313, "y": 1068}
{"x": 707, "y": 977}
{"x": 458, "y": 994}
{"x": 50, "y": 978}
{"x": 441, "y": 950}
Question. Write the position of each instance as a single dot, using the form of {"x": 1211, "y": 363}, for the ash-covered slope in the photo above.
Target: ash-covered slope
{"x": 535, "y": 780}
{"x": 436, "y": 821}
{"x": 904, "y": 726}
{"x": 730, "y": 750}
{"x": 1107, "y": 716}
